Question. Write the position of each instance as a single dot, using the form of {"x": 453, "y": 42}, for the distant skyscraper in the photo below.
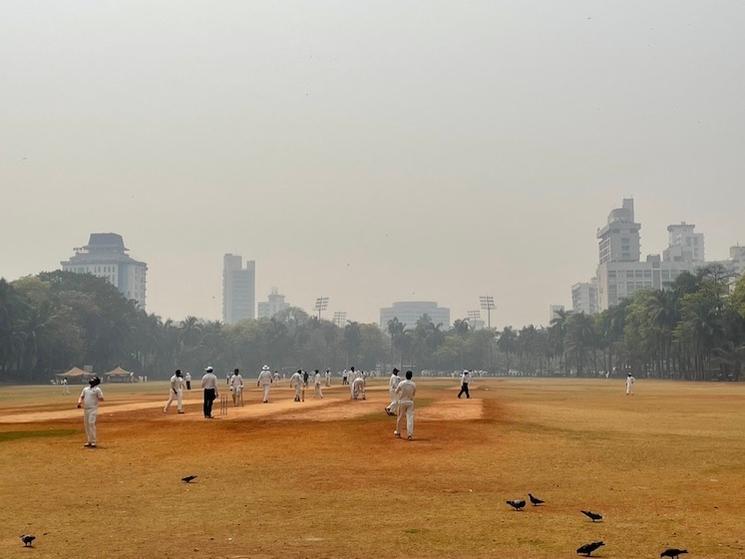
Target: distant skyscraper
{"x": 619, "y": 238}
{"x": 238, "y": 289}
{"x": 105, "y": 256}
{"x": 585, "y": 297}
{"x": 684, "y": 244}
{"x": 274, "y": 304}
{"x": 409, "y": 312}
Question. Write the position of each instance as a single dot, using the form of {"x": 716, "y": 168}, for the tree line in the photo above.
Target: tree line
{"x": 56, "y": 320}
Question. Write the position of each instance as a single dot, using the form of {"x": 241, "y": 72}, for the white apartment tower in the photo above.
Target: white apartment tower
{"x": 274, "y": 304}
{"x": 238, "y": 289}
{"x": 684, "y": 245}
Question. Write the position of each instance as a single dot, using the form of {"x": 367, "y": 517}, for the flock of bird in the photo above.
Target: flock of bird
{"x": 589, "y": 548}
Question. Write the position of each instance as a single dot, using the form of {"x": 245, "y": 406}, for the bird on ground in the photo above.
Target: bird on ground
{"x": 517, "y": 505}
{"x": 28, "y": 540}
{"x": 594, "y": 516}
{"x": 188, "y": 479}
{"x": 535, "y": 501}
{"x": 589, "y": 548}
{"x": 673, "y": 553}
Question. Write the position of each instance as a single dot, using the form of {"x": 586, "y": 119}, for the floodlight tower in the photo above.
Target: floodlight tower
{"x": 487, "y": 304}
{"x": 473, "y": 317}
{"x": 340, "y": 319}
{"x": 322, "y": 303}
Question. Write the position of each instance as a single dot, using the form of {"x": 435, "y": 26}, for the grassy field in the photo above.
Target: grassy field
{"x": 327, "y": 479}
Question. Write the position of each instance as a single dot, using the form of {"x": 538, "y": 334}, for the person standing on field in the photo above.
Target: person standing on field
{"x": 630, "y": 380}
{"x": 65, "y": 387}
{"x": 327, "y": 376}
{"x": 393, "y": 383}
{"x": 465, "y": 378}
{"x": 296, "y": 382}
{"x": 187, "y": 378}
{"x": 317, "y": 385}
{"x": 209, "y": 385}
{"x": 265, "y": 382}
{"x": 236, "y": 385}
{"x": 176, "y": 392}
{"x": 344, "y": 377}
{"x": 405, "y": 392}
{"x": 89, "y": 399}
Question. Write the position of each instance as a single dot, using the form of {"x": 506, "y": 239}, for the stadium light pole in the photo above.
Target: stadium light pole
{"x": 340, "y": 319}
{"x": 473, "y": 317}
{"x": 487, "y": 304}
{"x": 322, "y": 303}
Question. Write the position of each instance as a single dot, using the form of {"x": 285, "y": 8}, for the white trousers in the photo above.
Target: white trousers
{"x": 394, "y": 400}
{"x": 405, "y": 409}
{"x": 89, "y": 420}
{"x": 266, "y": 392}
{"x": 358, "y": 393}
{"x": 298, "y": 391}
{"x": 629, "y": 389}
{"x": 178, "y": 396}
{"x": 237, "y": 392}
{"x": 318, "y": 392}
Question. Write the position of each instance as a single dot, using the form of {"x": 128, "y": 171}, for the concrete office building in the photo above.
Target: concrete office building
{"x": 585, "y": 297}
{"x": 409, "y": 312}
{"x": 106, "y": 256}
{"x": 238, "y": 289}
{"x": 274, "y": 304}
{"x": 684, "y": 244}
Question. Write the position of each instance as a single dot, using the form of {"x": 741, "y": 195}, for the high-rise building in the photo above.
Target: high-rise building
{"x": 619, "y": 238}
{"x": 409, "y": 312}
{"x": 274, "y": 304}
{"x": 106, "y": 256}
{"x": 737, "y": 259}
{"x": 684, "y": 244}
{"x": 238, "y": 289}
{"x": 585, "y": 297}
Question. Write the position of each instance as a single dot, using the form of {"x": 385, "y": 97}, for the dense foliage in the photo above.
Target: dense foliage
{"x": 53, "y": 321}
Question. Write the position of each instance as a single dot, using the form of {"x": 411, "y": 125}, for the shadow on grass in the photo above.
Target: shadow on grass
{"x": 17, "y": 435}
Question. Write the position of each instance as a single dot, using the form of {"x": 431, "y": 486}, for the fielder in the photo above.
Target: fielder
{"x": 327, "y": 375}
{"x": 187, "y": 378}
{"x": 344, "y": 377}
{"x": 630, "y": 380}
{"x": 393, "y": 383}
{"x": 176, "y": 392}
{"x": 358, "y": 389}
{"x": 265, "y": 382}
{"x": 236, "y": 386}
{"x": 65, "y": 387}
{"x": 465, "y": 378}
{"x": 405, "y": 392}
{"x": 317, "y": 385}
{"x": 296, "y": 382}
{"x": 89, "y": 400}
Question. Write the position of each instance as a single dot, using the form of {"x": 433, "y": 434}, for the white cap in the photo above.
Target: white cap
{"x": 265, "y": 368}
{"x": 209, "y": 369}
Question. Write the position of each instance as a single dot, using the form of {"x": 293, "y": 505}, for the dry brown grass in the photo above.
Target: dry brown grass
{"x": 666, "y": 467}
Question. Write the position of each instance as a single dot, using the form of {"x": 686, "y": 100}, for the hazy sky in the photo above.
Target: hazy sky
{"x": 367, "y": 151}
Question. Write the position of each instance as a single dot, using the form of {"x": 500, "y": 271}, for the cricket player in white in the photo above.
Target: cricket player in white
{"x": 358, "y": 389}
{"x": 265, "y": 382}
{"x": 236, "y": 386}
{"x": 296, "y": 382}
{"x": 65, "y": 387}
{"x": 176, "y": 392}
{"x": 317, "y": 385}
{"x": 327, "y": 376}
{"x": 630, "y": 380}
{"x": 405, "y": 392}
{"x": 89, "y": 399}
{"x": 393, "y": 383}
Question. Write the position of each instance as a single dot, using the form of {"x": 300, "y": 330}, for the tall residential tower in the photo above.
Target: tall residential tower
{"x": 238, "y": 289}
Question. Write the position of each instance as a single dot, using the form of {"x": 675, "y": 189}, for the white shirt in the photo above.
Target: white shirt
{"x": 177, "y": 383}
{"x": 317, "y": 378}
{"x": 187, "y": 377}
{"x": 465, "y": 378}
{"x": 265, "y": 377}
{"x": 209, "y": 380}
{"x": 344, "y": 373}
{"x": 406, "y": 390}
{"x": 327, "y": 374}
{"x": 296, "y": 379}
{"x": 236, "y": 381}
{"x": 393, "y": 382}
{"x": 629, "y": 381}
{"x": 90, "y": 396}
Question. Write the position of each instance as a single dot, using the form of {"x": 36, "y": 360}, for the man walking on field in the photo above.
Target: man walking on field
{"x": 405, "y": 392}
{"x": 630, "y": 380}
{"x": 327, "y": 376}
{"x": 317, "y": 385}
{"x": 209, "y": 385}
{"x": 465, "y": 378}
{"x": 236, "y": 385}
{"x": 393, "y": 383}
{"x": 296, "y": 382}
{"x": 89, "y": 400}
{"x": 176, "y": 392}
{"x": 265, "y": 382}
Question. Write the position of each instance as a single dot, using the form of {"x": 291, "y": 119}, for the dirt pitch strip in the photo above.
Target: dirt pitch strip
{"x": 325, "y": 478}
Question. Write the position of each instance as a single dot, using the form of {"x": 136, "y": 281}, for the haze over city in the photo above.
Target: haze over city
{"x": 432, "y": 151}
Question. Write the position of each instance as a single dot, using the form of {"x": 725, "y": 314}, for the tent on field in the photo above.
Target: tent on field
{"x": 75, "y": 374}
{"x": 119, "y": 375}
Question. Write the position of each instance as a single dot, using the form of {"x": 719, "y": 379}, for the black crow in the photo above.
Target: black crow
{"x": 673, "y": 553}
{"x": 517, "y": 505}
{"x": 28, "y": 540}
{"x": 588, "y": 548}
{"x": 188, "y": 479}
{"x": 594, "y": 516}
{"x": 535, "y": 501}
